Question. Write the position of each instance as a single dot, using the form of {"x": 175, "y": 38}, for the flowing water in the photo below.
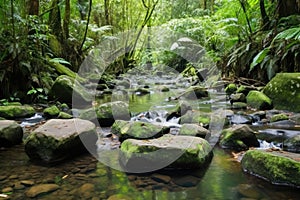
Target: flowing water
{"x": 86, "y": 178}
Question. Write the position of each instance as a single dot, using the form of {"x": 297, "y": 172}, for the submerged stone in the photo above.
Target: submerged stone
{"x": 280, "y": 168}
{"x": 180, "y": 152}
{"x": 292, "y": 144}
{"x": 284, "y": 90}
{"x": 11, "y": 133}
{"x": 37, "y": 190}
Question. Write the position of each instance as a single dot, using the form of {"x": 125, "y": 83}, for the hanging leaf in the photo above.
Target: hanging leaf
{"x": 292, "y": 33}
{"x": 60, "y": 60}
{"x": 259, "y": 58}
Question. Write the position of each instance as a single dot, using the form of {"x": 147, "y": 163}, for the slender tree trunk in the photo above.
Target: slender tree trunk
{"x": 204, "y": 4}
{"x": 264, "y": 16}
{"x": 106, "y": 12}
{"x": 87, "y": 25}
{"x": 212, "y": 6}
{"x": 33, "y": 7}
{"x": 55, "y": 20}
{"x": 67, "y": 19}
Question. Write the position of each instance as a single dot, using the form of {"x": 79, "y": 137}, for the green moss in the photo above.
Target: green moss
{"x": 259, "y": 100}
{"x": 64, "y": 115}
{"x": 239, "y": 105}
{"x": 52, "y": 111}
{"x": 230, "y": 89}
{"x": 276, "y": 169}
{"x": 279, "y": 117}
{"x": 137, "y": 130}
{"x": 12, "y": 112}
{"x": 284, "y": 90}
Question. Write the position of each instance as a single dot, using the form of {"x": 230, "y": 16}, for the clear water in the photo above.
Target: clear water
{"x": 223, "y": 179}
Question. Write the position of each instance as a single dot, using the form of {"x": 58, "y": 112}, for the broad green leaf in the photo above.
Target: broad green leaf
{"x": 60, "y": 60}
{"x": 259, "y": 58}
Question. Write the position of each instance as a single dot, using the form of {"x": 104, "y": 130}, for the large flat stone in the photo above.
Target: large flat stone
{"x": 59, "y": 139}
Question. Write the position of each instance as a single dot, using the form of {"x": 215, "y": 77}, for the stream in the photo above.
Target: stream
{"x": 86, "y": 178}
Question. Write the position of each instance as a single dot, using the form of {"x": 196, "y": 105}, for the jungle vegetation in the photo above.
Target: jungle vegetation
{"x": 245, "y": 38}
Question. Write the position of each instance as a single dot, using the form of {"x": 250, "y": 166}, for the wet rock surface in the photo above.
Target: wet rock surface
{"x": 11, "y": 133}
{"x": 59, "y": 139}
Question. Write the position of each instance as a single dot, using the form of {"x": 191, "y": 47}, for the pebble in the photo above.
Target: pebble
{"x": 27, "y": 183}
{"x": 19, "y": 186}
{"x": 13, "y": 177}
{"x": 161, "y": 178}
{"x": 41, "y": 189}
{"x": 2, "y": 178}
{"x": 7, "y": 190}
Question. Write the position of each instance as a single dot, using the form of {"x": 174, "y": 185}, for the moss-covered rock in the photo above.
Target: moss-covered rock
{"x": 284, "y": 90}
{"x": 292, "y": 144}
{"x": 182, "y": 107}
{"x": 238, "y": 97}
{"x": 279, "y": 117}
{"x": 183, "y": 152}
{"x": 64, "y": 115}
{"x": 11, "y": 133}
{"x": 13, "y": 112}
{"x": 51, "y": 112}
{"x": 195, "y": 117}
{"x": 142, "y": 91}
{"x": 279, "y": 168}
{"x": 195, "y": 92}
{"x": 59, "y": 139}
{"x": 107, "y": 113}
{"x": 68, "y": 90}
{"x": 137, "y": 130}
{"x": 230, "y": 89}
{"x": 193, "y": 130}
{"x": 238, "y": 137}
{"x": 239, "y": 105}
{"x": 259, "y": 100}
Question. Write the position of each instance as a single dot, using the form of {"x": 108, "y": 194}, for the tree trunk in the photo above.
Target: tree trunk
{"x": 264, "y": 16}
{"x": 106, "y": 12}
{"x": 55, "y": 20}
{"x": 67, "y": 19}
{"x": 33, "y": 7}
{"x": 204, "y": 4}
{"x": 287, "y": 7}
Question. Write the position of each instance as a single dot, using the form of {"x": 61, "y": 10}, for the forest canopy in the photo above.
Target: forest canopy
{"x": 245, "y": 38}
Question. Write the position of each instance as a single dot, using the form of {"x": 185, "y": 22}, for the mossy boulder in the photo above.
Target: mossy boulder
{"x": 292, "y": 144}
{"x": 51, "y": 112}
{"x": 64, "y": 115}
{"x": 195, "y": 117}
{"x": 238, "y": 137}
{"x": 279, "y": 117}
{"x": 230, "y": 89}
{"x": 259, "y": 100}
{"x": 137, "y": 130}
{"x": 239, "y": 105}
{"x": 238, "y": 97}
{"x": 195, "y": 92}
{"x": 68, "y": 90}
{"x": 107, "y": 113}
{"x": 59, "y": 139}
{"x": 11, "y": 133}
{"x": 193, "y": 130}
{"x": 280, "y": 168}
{"x": 16, "y": 111}
{"x": 142, "y": 91}
{"x": 182, "y": 152}
{"x": 284, "y": 90}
